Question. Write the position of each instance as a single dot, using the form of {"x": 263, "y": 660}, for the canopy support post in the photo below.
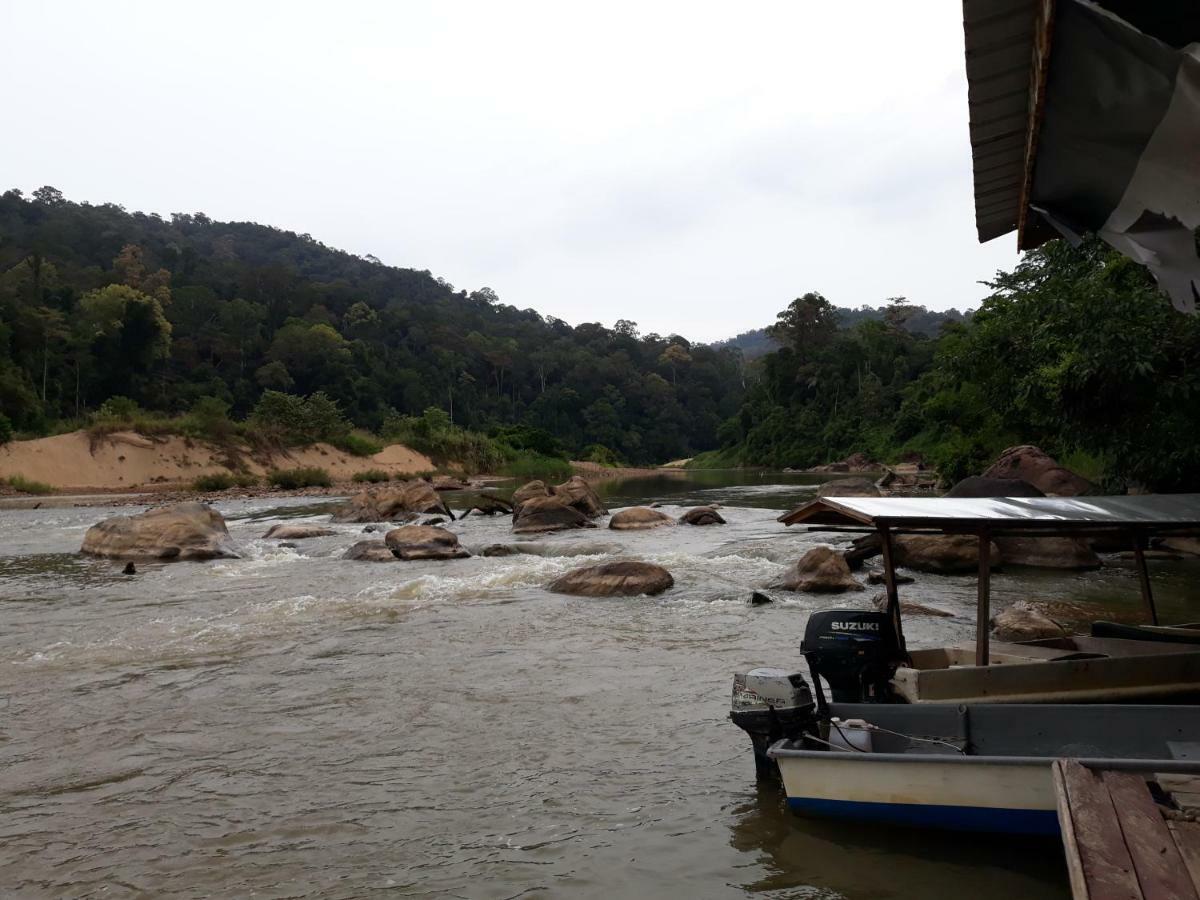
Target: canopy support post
{"x": 983, "y": 605}
{"x": 1139, "y": 556}
{"x": 889, "y": 582}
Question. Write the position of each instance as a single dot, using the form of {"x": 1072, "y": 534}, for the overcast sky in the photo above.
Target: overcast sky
{"x": 690, "y": 166}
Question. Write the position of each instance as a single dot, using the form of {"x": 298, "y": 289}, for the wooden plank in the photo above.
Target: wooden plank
{"x": 1066, "y": 823}
{"x": 1187, "y": 839}
{"x": 1156, "y": 860}
{"x": 1102, "y": 868}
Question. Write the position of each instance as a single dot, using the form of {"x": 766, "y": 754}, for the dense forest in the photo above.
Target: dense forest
{"x": 96, "y": 301}
{"x": 1075, "y": 350}
{"x": 102, "y": 309}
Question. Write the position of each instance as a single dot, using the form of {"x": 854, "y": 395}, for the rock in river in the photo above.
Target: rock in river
{"x": 526, "y": 492}
{"x": 1034, "y": 465}
{"x": 980, "y": 486}
{"x": 424, "y": 542}
{"x": 1021, "y": 622}
{"x": 701, "y": 515}
{"x": 547, "y": 514}
{"x": 637, "y": 517}
{"x": 1047, "y": 552}
{"x": 191, "y": 530}
{"x": 821, "y": 570}
{"x": 579, "y": 494}
{"x": 285, "y": 532}
{"x": 848, "y": 487}
{"x": 370, "y": 551}
{"x": 944, "y": 554}
{"x": 615, "y": 579}
{"x": 391, "y": 502}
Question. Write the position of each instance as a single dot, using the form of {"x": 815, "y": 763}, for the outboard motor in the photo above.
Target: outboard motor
{"x": 855, "y": 651}
{"x": 770, "y": 704}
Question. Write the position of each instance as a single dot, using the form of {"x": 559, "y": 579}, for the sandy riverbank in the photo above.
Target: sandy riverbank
{"x": 126, "y": 461}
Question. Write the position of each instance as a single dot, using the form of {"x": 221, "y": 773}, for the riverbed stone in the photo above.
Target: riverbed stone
{"x": 849, "y": 487}
{"x": 286, "y": 532}
{"x": 1040, "y": 469}
{"x": 580, "y": 495}
{"x": 821, "y": 570}
{"x": 626, "y": 578}
{"x": 701, "y": 515}
{"x": 982, "y": 486}
{"x": 528, "y": 491}
{"x": 370, "y": 551}
{"x": 548, "y": 513}
{"x": 876, "y": 576}
{"x": 942, "y": 554}
{"x": 411, "y": 542}
{"x": 1047, "y": 552}
{"x": 639, "y": 517}
{"x": 909, "y": 608}
{"x": 393, "y": 502}
{"x": 182, "y": 531}
{"x": 1021, "y": 622}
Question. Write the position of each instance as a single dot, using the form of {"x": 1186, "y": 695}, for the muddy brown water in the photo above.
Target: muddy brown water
{"x": 290, "y": 724}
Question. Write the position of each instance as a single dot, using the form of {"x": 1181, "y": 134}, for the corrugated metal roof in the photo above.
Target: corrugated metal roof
{"x": 1000, "y": 51}
{"x": 1042, "y": 514}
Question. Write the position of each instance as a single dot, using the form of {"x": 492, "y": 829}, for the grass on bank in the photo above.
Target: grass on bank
{"x": 371, "y": 476}
{"x": 27, "y": 485}
{"x": 223, "y": 481}
{"x": 301, "y": 477}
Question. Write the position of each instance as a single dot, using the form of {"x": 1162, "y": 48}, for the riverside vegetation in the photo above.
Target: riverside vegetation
{"x": 238, "y": 333}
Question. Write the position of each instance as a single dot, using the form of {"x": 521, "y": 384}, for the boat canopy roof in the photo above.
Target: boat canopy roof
{"x": 1151, "y": 513}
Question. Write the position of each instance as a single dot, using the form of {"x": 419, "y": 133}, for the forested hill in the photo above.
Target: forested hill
{"x": 758, "y": 342}
{"x": 96, "y": 301}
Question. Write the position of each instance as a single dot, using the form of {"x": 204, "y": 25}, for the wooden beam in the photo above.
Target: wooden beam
{"x": 983, "y": 615}
{"x": 1097, "y": 859}
{"x": 1160, "y": 868}
{"x": 1139, "y": 556}
{"x": 889, "y": 582}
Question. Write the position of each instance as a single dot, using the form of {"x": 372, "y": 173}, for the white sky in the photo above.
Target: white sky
{"x": 691, "y": 166}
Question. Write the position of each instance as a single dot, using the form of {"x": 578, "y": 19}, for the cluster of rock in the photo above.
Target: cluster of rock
{"x": 538, "y": 507}
{"x": 394, "y": 502}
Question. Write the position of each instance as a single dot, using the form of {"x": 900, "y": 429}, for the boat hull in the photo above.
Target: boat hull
{"x": 955, "y": 793}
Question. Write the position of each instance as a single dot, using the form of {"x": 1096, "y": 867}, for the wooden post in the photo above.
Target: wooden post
{"x": 1139, "y": 557}
{"x": 889, "y": 582}
{"x": 983, "y": 606}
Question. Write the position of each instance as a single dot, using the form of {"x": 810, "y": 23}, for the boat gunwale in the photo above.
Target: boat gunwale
{"x": 1122, "y": 764}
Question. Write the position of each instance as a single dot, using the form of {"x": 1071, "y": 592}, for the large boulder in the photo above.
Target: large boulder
{"x": 943, "y": 554}
{"x": 547, "y": 514}
{"x": 370, "y": 551}
{"x": 579, "y": 494}
{"x": 615, "y": 579}
{"x": 982, "y": 486}
{"x": 637, "y": 517}
{"x": 410, "y": 542}
{"x": 1020, "y": 622}
{"x": 191, "y": 530}
{"x": 848, "y": 487}
{"x": 821, "y": 570}
{"x": 286, "y": 532}
{"x": 701, "y": 515}
{"x": 1039, "y": 469}
{"x": 528, "y": 491}
{"x": 1047, "y": 552}
{"x": 392, "y": 502}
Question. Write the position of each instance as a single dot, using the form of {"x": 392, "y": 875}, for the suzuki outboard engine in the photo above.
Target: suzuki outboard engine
{"x": 855, "y": 651}
{"x": 769, "y": 704}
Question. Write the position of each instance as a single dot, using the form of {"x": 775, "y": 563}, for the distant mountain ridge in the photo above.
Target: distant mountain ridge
{"x": 757, "y": 342}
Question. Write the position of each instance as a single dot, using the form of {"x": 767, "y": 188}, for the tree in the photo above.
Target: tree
{"x": 675, "y": 355}
{"x": 808, "y": 324}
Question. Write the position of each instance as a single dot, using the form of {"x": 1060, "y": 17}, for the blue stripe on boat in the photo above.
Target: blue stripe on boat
{"x": 969, "y": 818}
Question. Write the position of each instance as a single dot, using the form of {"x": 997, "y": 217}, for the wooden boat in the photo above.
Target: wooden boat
{"x": 1122, "y": 664}
{"x": 974, "y": 767}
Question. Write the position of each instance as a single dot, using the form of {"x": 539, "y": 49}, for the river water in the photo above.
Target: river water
{"x": 290, "y": 724}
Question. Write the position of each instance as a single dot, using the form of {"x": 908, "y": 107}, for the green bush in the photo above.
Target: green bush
{"x": 28, "y": 485}
{"x": 6, "y": 429}
{"x": 305, "y": 476}
{"x": 371, "y": 476}
{"x": 223, "y": 481}
{"x": 293, "y": 421}
{"x": 598, "y": 453}
{"x": 433, "y": 434}
{"x": 547, "y": 468}
{"x": 209, "y": 419}
{"x": 358, "y": 443}
{"x": 217, "y": 481}
{"x": 118, "y": 408}
{"x": 528, "y": 438}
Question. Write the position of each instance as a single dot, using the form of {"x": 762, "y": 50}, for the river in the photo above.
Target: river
{"x": 291, "y": 724}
